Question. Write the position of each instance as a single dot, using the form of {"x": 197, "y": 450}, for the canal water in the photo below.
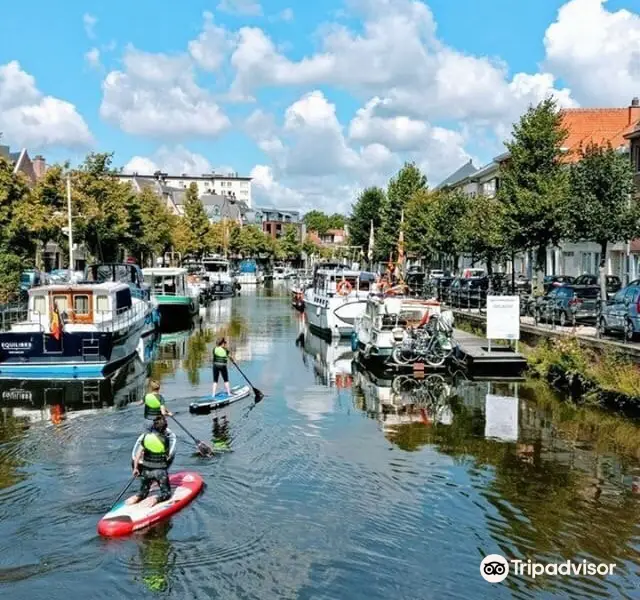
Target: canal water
{"x": 332, "y": 489}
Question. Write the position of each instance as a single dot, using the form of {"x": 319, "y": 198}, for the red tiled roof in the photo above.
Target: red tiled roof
{"x": 335, "y": 232}
{"x": 598, "y": 125}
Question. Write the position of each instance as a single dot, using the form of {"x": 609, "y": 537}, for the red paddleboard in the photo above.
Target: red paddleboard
{"x": 123, "y": 519}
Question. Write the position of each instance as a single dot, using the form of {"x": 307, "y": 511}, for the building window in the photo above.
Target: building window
{"x": 244, "y": 184}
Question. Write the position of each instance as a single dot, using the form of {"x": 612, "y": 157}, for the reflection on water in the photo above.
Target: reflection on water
{"x": 340, "y": 484}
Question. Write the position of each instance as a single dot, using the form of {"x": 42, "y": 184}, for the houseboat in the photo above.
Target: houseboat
{"x": 177, "y": 304}
{"x": 383, "y": 323}
{"x": 74, "y": 329}
{"x": 336, "y": 298}
{"x": 249, "y": 273}
{"x": 218, "y": 270}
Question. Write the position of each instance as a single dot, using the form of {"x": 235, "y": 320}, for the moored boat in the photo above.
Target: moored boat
{"x": 176, "y": 303}
{"x": 218, "y": 270}
{"x": 249, "y": 273}
{"x": 384, "y": 321}
{"x": 74, "y": 329}
{"x": 336, "y": 298}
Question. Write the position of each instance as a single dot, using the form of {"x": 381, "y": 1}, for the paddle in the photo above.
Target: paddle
{"x": 122, "y": 493}
{"x": 203, "y": 448}
{"x": 256, "y": 392}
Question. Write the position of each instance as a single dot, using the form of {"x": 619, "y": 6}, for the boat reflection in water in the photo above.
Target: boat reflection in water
{"x": 61, "y": 399}
{"x": 331, "y": 360}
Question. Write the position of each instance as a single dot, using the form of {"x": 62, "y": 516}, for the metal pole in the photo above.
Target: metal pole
{"x": 70, "y": 225}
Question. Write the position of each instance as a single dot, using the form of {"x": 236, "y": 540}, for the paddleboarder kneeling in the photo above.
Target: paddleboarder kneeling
{"x": 151, "y": 463}
{"x": 220, "y": 360}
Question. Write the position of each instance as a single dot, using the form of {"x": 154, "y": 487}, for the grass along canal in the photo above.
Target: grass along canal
{"x": 339, "y": 484}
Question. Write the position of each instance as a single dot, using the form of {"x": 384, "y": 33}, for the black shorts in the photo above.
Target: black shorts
{"x": 148, "y": 476}
{"x": 220, "y": 370}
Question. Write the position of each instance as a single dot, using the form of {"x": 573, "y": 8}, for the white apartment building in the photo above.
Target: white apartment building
{"x": 209, "y": 183}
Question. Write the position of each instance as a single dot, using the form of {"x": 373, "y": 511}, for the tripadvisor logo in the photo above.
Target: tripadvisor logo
{"x": 495, "y": 568}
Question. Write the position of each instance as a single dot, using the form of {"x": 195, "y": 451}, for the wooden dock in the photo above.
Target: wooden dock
{"x": 501, "y": 361}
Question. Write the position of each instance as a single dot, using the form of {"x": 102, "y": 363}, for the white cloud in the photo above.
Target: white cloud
{"x": 249, "y": 8}
{"x": 156, "y": 95}
{"x": 89, "y": 22}
{"x": 596, "y": 51}
{"x": 286, "y": 15}
{"x": 398, "y": 58}
{"x": 212, "y": 45}
{"x": 35, "y": 121}
{"x": 174, "y": 160}
{"x": 93, "y": 58}
{"x": 314, "y": 166}
{"x": 396, "y": 133}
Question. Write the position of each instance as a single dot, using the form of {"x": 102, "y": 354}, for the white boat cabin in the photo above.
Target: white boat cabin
{"x": 78, "y": 304}
{"x": 342, "y": 282}
{"x": 166, "y": 281}
{"x": 389, "y": 313}
{"x": 216, "y": 265}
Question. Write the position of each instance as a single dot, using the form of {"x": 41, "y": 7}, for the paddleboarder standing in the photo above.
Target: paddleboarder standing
{"x": 220, "y": 365}
{"x": 151, "y": 463}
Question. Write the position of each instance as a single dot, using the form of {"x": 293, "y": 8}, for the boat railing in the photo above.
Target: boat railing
{"x": 12, "y": 313}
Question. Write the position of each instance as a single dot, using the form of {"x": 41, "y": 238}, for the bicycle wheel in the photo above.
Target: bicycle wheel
{"x": 402, "y": 356}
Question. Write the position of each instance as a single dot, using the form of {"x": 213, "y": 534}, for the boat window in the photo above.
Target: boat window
{"x": 61, "y": 302}
{"x": 102, "y": 303}
{"x": 81, "y": 305}
{"x": 123, "y": 299}
{"x": 39, "y": 305}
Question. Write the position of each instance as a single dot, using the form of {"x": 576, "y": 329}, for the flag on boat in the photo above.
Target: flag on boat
{"x": 56, "y": 323}
{"x": 371, "y": 243}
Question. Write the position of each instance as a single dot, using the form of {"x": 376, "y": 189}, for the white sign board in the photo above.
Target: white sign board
{"x": 503, "y": 317}
{"x": 501, "y": 418}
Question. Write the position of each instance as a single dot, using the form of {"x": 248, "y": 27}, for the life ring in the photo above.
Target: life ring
{"x": 342, "y": 286}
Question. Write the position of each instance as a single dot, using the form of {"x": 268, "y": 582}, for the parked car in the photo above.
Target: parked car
{"x": 551, "y": 281}
{"x": 621, "y": 314}
{"x": 613, "y": 282}
{"x": 566, "y": 302}
{"x": 468, "y": 292}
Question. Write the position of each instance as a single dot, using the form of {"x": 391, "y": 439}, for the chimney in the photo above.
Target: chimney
{"x": 634, "y": 111}
{"x": 39, "y": 166}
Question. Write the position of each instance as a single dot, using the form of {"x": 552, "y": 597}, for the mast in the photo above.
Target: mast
{"x": 70, "y": 224}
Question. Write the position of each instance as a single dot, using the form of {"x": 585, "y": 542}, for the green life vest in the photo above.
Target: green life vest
{"x": 220, "y": 356}
{"x": 152, "y": 404}
{"x": 155, "y": 451}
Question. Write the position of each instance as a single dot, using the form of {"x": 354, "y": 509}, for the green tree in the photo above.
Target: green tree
{"x": 481, "y": 231}
{"x": 534, "y": 184}
{"x": 248, "y": 241}
{"x": 289, "y": 243}
{"x": 434, "y": 224}
{"x": 363, "y": 212}
{"x": 337, "y": 221}
{"x": 401, "y": 189}
{"x": 16, "y": 247}
{"x": 197, "y": 221}
{"x": 157, "y": 225}
{"x": 101, "y": 207}
{"x": 599, "y": 207}
{"x": 318, "y": 221}
{"x": 310, "y": 248}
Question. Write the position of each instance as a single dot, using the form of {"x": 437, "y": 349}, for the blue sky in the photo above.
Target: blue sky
{"x": 286, "y": 98}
